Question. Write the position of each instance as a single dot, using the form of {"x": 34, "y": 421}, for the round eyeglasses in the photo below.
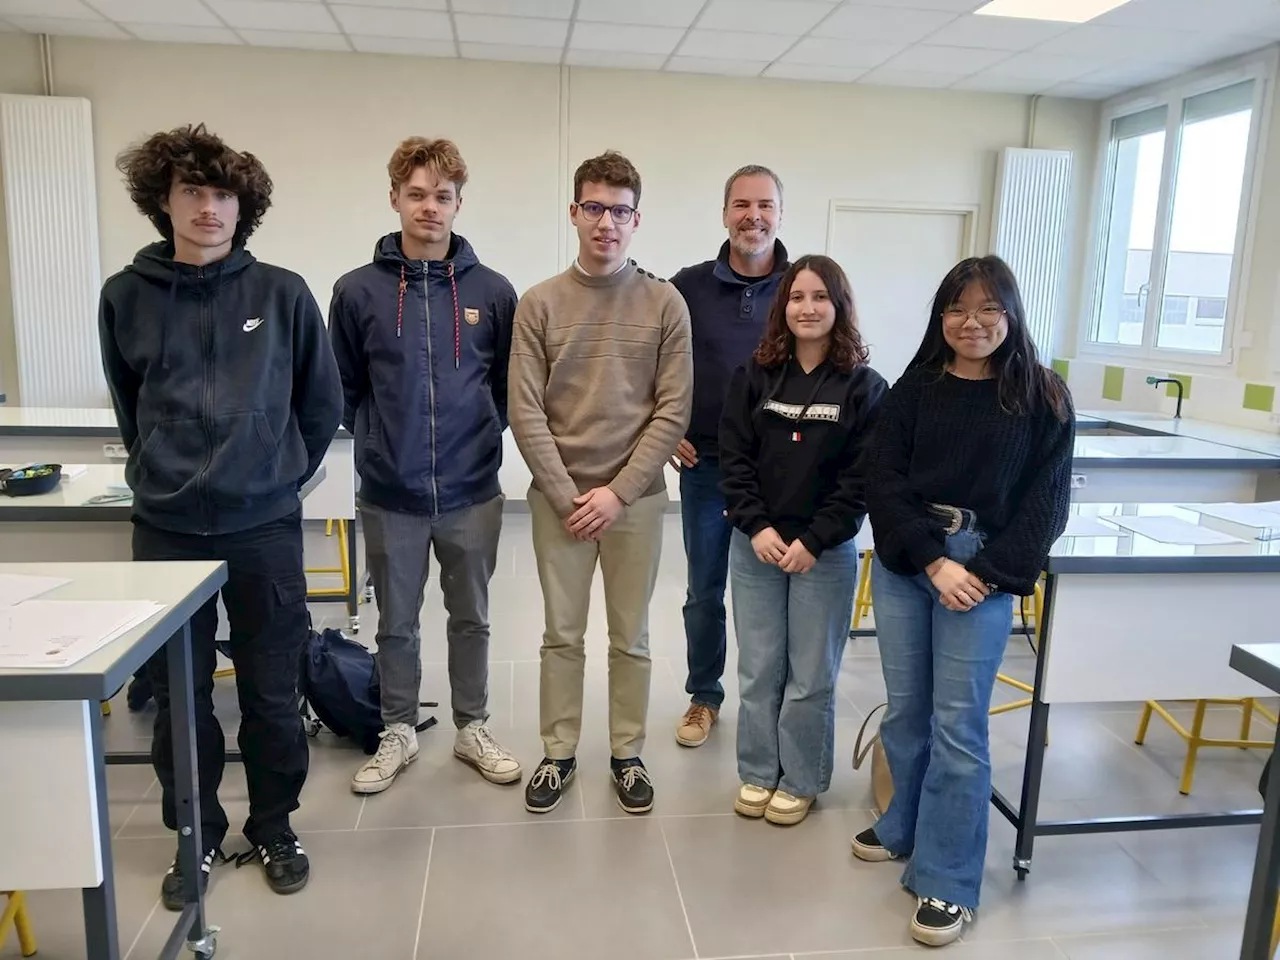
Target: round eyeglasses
{"x": 987, "y": 316}
{"x": 620, "y": 212}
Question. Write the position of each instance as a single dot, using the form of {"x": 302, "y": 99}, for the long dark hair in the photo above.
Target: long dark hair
{"x": 779, "y": 343}
{"x": 1025, "y": 385}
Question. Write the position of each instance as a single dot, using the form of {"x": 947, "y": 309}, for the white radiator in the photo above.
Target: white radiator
{"x": 1029, "y": 231}
{"x": 51, "y": 211}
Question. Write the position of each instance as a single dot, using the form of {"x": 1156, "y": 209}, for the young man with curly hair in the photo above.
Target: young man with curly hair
{"x": 227, "y": 396}
{"x": 422, "y": 336}
{"x": 601, "y": 384}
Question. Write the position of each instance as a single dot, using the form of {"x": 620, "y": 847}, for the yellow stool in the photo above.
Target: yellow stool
{"x": 343, "y": 568}
{"x": 1032, "y": 611}
{"x": 862, "y": 599}
{"x": 15, "y": 916}
{"x": 1195, "y": 738}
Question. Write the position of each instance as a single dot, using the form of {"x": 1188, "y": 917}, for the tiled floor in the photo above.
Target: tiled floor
{"x": 448, "y": 867}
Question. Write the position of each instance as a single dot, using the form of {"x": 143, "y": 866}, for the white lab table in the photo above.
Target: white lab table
{"x": 55, "y": 830}
{"x": 1162, "y": 617}
{"x": 1170, "y": 469}
{"x": 1137, "y": 422}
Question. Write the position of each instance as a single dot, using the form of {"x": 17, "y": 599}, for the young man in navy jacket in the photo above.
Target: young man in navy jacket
{"x": 422, "y": 336}
{"x": 227, "y": 396}
{"x": 728, "y": 300}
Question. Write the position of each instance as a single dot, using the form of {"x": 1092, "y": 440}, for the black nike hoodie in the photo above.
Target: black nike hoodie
{"x": 224, "y": 387}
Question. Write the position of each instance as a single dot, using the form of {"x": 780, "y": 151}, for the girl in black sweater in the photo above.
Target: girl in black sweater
{"x": 968, "y": 488}
{"x": 791, "y": 433}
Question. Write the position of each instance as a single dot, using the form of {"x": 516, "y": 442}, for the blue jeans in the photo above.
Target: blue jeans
{"x": 791, "y": 632}
{"x": 706, "y": 548}
{"x": 939, "y": 668}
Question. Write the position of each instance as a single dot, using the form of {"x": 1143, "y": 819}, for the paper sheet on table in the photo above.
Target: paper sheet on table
{"x": 16, "y": 587}
{"x": 58, "y": 633}
{"x": 1173, "y": 530}
{"x": 1263, "y": 516}
{"x": 1089, "y": 527}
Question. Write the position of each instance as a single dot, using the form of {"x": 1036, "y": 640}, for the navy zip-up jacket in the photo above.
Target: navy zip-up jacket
{"x": 727, "y": 316}
{"x": 224, "y": 387}
{"x": 423, "y": 349}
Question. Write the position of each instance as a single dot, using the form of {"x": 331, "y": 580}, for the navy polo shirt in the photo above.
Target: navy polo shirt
{"x": 727, "y": 314}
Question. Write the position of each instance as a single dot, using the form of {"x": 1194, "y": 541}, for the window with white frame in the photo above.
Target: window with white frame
{"x": 1176, "y": 185}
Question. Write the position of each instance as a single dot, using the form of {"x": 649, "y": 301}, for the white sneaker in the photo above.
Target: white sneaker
{"x": 398, "y": 748}
{"x": 475, "y": 745}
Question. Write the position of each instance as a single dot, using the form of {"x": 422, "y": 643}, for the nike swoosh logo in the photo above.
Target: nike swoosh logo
{"x": 252, "y": 324}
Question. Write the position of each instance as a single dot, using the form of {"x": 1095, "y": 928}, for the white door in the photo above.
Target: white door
{"x": 895, "y": 260}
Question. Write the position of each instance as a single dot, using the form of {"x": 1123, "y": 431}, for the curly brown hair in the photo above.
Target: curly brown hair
{"x": 440, "y": 157}
{"x": 610, "y": 168}
{"x": 847, "y": 349}
{"x": 193, "y": 155}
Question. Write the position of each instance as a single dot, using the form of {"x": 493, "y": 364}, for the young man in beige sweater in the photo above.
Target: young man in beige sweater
{"x": 601, "y": 385}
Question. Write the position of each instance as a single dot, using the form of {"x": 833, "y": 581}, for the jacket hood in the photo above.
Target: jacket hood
{"x": 155, "y": 262}
{"x": 389, "y": 253}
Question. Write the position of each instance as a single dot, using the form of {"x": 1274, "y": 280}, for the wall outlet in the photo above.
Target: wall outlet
{"x": 1079, "y": 481}
{"x": 115, "y": 451}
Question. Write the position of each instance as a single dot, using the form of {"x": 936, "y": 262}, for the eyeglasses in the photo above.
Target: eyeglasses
{"x": 987, "y": 316}
{"x": 620, "y": 212}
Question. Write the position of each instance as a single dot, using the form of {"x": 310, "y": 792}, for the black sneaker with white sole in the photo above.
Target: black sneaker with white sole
{"x": 547, "y": 785}
{"x": 635, "y": 789}
{"x": 938, "y": 923}
{"x": 171, "y": 888}
{"x": 867, "y": 846}
{"x": 283, "y": 861}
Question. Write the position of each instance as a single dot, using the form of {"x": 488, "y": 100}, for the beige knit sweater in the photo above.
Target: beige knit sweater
{"x": 600, "y": 383}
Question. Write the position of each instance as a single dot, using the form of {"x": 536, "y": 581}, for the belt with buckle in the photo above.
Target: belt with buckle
{"x": 957, "y": 518}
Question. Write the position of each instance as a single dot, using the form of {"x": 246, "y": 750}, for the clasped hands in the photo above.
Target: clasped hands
{"x": 770, "y": 548}
{"x": 958, "y": 589}
{"x": 597, "y": 509}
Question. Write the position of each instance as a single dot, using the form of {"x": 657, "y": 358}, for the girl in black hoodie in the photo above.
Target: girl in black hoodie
{"x": 793, "y": 427}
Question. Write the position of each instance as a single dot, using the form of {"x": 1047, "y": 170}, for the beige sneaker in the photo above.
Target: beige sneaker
{"x": 397, "y": 749}
{"x": 752, "y": 800}
{"x": 476, "y": 745}
{"x": 786, "y": 810}
{"x": 695, "y": 725}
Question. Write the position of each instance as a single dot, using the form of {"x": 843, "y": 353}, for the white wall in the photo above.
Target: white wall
{"x": 324, "y": 125}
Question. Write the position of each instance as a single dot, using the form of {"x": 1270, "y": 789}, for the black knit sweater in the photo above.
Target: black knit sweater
{"x": 943, "y": 439}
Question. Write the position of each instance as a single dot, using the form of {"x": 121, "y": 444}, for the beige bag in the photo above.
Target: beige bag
{"x": 881, "y": 778}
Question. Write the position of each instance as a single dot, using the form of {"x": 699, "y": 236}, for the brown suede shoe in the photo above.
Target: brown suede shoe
{"x": 695, "y": 725}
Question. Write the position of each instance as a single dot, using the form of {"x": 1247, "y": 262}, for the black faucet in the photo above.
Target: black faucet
{"x": 1156, "y": 381}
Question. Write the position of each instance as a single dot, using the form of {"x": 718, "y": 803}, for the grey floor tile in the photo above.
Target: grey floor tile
{"x": 363, "y": 900}
{"x": 558, "y": 891}
{"x": 1013, "y": 950}
{"x": 1218, "y": 943}
{"x": 750, "y": 887}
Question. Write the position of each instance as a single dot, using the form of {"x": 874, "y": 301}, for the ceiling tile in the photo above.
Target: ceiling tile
{"x": 809, "y": 71}
{"x": 275, "y": 15}
{"x": 549, "y": 9}
{"x": 399, "y": 4}
{"x": 1130, "y": 75}
{"x": 517, "y": 53}
{"x": 818, "y": 51}
{"x": 1040, "y": 66}
{"x": 727, "y": 68}
{"x": 68, "y": 27}
{"x": 170, "y": 33}
{"x": 608, "y": 36}
{"x": 183, "y": 12}
{"x": 615, "y": 60}
{"x": 1125, "y": 44}
{"x": 728, "y": 45}
{"x": 985, "y": 84}
{"x": 50, "y": 9}
{"x": 298, "y": 39}
{"x": 997, "y": 33}
{"x": 654, "y": 13}
{"x": 1256, "y": 17}
{"x": 883, "y": 23}
{"x": 7, "y": 28}
{"x": 910, "y": 78}
{"x": 949, "y": 6}
{"x": 958, "y": 61}
{"x": 1083, "y": 91}
{"x": 794, "y": 17}
{"x": 511, "y": 31}
{"x": 410, "y": 24}
{"x": 406, "y": 46}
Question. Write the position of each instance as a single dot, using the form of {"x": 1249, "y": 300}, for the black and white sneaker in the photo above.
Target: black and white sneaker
{"x": 283, "y": 861}
{"x": 867, "y": 846}
{"x": 171, "y": 888}
{"x": 635, "y": 789}
{"x": 937, "y": 922}
{"x": 548, "y": 783}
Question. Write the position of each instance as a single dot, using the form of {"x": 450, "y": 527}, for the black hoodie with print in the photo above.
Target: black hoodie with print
{"x": 224, "y": 387}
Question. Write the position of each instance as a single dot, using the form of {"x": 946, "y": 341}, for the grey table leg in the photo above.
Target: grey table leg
{"x": 101, "y": 932}
{"x": 1266, "y": 876}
